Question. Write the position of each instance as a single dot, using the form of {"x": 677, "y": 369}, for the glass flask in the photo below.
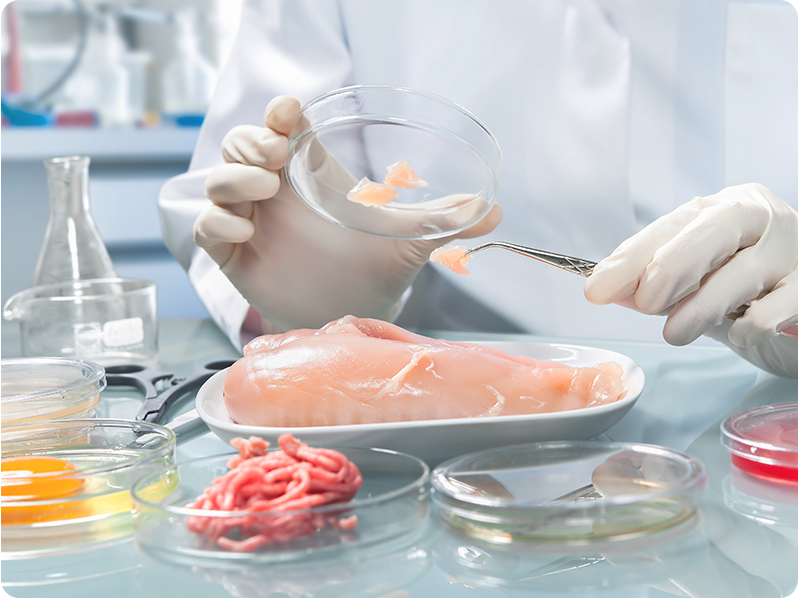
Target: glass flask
{"x": 72, "y": 248}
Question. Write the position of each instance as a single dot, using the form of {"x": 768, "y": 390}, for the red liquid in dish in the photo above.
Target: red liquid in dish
{"x": 776, "y": 465}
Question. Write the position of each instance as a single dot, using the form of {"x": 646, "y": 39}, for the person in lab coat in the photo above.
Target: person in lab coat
{"x": 592, "y": 122}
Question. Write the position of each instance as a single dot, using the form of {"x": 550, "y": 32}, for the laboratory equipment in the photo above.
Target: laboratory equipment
{"x": 367, "y": 129}
{"x": 66, "y": 483}
{"x": 72, "y": 248}
{"x": 437, "y": 440}
{"x": 102, "y": 81}
{"x": 763, "y": 441}
{"x": 40, "y": 389}
{"x": 567, "y": 492}
{"x": 156, "y": 404}
{"x": 110, "y": 321}
{"x": 568, "y": 263}
{"x": 188, "y": 80}
{"x": 392, "y": 500}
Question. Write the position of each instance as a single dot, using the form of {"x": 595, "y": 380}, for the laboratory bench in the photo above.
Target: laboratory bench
{"x": 688, "y": 392}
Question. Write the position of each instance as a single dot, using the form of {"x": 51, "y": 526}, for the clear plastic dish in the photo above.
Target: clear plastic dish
{"x": 574, "y": 492}
{"x": 66, "y": 483}
{"x": 368, "y": 128}
{"x": 111, "y": 321}
{"x": 39, "y": 389}
{"x": 763, "y": 441}
{"x": 392, "y": 500}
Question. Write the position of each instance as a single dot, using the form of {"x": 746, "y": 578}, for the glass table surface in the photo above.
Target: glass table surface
{"x": 722, "y": 552}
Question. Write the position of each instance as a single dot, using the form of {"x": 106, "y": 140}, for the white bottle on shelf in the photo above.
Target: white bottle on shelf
{"x": 102, "y": 81}
{"x": 189, "y": 79}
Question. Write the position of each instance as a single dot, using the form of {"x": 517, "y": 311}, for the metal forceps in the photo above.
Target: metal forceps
{"x": 567, "y": 263}
{"x": 145, "y": 379}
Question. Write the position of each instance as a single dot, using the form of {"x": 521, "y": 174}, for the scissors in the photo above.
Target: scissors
{"x": 145, "y": 379}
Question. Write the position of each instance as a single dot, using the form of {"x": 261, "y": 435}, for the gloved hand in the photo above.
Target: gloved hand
{"x": 705, "y": 260}
{"x": 294, "y": 267}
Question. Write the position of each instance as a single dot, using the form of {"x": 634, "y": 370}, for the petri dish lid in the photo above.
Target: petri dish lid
{"x": 38, "y": 389}
{"x": 763, "y": 441}
{"x": 567, "y": 492}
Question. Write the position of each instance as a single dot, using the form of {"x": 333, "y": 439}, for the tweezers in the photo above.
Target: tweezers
{"x": 567, "y": 263}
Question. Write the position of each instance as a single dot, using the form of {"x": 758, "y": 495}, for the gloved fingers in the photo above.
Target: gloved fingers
{"x": 768, "y": 315}
{"x": 704, "y": 245}
{"x": 230, "y": 184}
{"x": 485, "y": 225}
{"x": 720, "y": 292}
{"x": 281, "y": 114}
{"x": 218, "y": 230}
{"x": 255, "y": 146}
{"x": 618, "y": 275}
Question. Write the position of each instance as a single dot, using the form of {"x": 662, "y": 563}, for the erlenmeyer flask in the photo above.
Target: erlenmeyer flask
{"x": 72, "y": 248}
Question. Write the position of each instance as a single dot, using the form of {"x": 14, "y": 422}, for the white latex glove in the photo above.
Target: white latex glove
{"x": 294, "y": 267}
{"x": 705, "y": 260}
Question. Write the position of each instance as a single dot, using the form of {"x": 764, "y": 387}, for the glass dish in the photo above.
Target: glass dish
{"x": 763, "y": 441}
{"x": 109, "y": 321}
{"x": 368, "y": 128}
{"x": 392, "y": 500}
{"x": 86, "y": 503}
{"x": 575, "y": 492}
{"x": 41, "y": 389}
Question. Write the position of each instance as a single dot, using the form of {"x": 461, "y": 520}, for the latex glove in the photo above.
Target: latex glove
{"x": 705, "y": 260}
{"x": 294, "y": 267}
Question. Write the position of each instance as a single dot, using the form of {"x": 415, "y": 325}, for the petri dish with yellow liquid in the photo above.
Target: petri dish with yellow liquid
{"x": 568, "y": 492}
{"x": 43, "y": 388}
{"x": 65, "y": 484}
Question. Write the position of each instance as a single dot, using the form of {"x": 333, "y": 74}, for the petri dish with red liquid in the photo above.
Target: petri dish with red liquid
{"x": 763, "y": 441}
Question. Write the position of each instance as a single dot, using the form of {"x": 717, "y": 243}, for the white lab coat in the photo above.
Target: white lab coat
{"x": 609, "y": 114}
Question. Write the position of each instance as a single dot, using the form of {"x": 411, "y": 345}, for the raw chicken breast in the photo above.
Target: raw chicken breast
{"x": 453, "y": 257}
{"x": 370, "y": 193}
{"x": 356, "y": 371}
{"x": 401, "y": 174}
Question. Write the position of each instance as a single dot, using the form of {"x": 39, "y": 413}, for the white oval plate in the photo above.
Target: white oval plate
{"x": 440, "y": 439}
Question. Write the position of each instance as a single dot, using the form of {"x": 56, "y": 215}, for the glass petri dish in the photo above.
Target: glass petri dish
{"x": 763, "y": 441}
{"x": 66, "y": 483}
{"x": 567, "y": 492}
{"x": 392, "y": 501}
{"x": 357, "y": 132}
{"x": 39, "y": 389}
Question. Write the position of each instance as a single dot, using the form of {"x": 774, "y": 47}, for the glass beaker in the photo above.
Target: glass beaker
{"x": 72, "y": 248}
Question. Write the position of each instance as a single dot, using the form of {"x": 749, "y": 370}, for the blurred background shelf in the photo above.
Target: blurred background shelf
{"x": 126, "y": 70}
{"x": 101, "y": 144}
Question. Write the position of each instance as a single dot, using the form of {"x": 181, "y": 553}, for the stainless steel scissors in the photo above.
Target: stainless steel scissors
{"x": 145, "y": 379}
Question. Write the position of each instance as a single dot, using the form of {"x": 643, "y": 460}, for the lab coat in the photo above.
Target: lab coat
{"x": 608, "y": 113}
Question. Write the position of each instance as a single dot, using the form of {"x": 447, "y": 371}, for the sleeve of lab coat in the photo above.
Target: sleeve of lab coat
{"x": 292, "y": 47}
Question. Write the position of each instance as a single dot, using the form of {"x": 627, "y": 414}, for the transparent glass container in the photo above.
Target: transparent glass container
{"x": 72, "y": 248}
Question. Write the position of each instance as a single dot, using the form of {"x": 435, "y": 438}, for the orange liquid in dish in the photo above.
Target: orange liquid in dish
{"x": 38, "y": 478}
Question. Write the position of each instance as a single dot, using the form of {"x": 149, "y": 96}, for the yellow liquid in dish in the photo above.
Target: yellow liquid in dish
{"x": 64, "y": 495}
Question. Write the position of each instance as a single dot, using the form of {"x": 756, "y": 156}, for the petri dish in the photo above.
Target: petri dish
{"x": 66, "y": 483}
{"x": 39, "y": 389}
{"x": 357, "y": 132}
{"x": 763, "y": 441}
{"x": 110, "y": 321}
{"x": 567, "y": 492}
{"x": 392, "y": 501}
